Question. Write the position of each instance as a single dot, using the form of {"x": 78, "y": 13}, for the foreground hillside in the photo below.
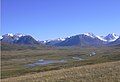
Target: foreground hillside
{"x": 105, "y": 72}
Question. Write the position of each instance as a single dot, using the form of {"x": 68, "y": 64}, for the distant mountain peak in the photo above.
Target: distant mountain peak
{"x": 112, "y": 34}
{"x": 19, "y": 34}
{"x": 9, "y": 34}
{"x": 18, "y": 38}
{"x": 12, "y": 35}
{"x": 90, "y": 35}
{"x": 111, "y": 37}
{"x": 85, "y": 39}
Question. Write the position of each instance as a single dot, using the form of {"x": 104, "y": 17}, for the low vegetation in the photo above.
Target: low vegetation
{"x": 106, "y": 72}
{"x": 13, "y": 60}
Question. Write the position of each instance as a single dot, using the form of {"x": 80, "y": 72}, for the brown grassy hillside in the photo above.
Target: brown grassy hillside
{"x": 105, "y": 72}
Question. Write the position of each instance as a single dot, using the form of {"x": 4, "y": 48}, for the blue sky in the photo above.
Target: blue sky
{"x": 51, "y": 19}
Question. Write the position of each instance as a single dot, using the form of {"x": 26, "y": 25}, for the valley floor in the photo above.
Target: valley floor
{"x": 104, "y": 72}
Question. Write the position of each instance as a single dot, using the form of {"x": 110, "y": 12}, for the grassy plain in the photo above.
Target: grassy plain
{"x": 13, "y": 62}
{"x": 105, "y": 72}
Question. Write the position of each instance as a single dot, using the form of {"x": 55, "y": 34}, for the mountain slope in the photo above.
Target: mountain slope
{"x": 81, "y": 40}
{"x": 111, "y": 37}
{"x": 26, "y": 40}
{"x": 18, "y": 39}
{"x": 86, "y": 39}
{"x": 116, "y": 42}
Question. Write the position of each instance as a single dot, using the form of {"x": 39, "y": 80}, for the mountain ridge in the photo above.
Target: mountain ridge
{"x": 85, "y": 39}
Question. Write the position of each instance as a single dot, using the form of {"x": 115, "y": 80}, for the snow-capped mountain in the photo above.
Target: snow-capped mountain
{"x": 90, "y": 35}
{"x": 81, "y": 40}
{"x": 9, "y": 34}
{"x": 14, "y": 36}
{"x": 85, "y": 39}
{"x": 8, "y": 38}
{"x": 18, "y": 35}
{"x": 59, "y": 39}
{"x": 95, "y": 36}
{"x": 52, "y": 42}
{"x": 111, "y": 37}
{"x": 27, "y": 39}
{"x": 116, "y": 42}
{"x": 18, "y": 39}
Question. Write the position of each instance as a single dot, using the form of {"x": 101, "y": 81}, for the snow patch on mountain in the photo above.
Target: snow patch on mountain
{"x": 12, "y": 36}
{"x": 1, "y": 37}
{"x": 19, "y": 35}
{"x": 60, "y": 39}
{"x": 90, "y": 35}
{"x": 8, "y": 35}
{"x": 101, "y": 38}
{"x": 46, "y": 41}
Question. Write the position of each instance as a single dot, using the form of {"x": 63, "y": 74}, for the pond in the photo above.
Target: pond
{"x": 45, "y": 62}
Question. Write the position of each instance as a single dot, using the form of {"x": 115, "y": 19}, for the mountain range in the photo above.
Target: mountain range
{"x": 85, "y": 39}
{"x": 18, "y": 39}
